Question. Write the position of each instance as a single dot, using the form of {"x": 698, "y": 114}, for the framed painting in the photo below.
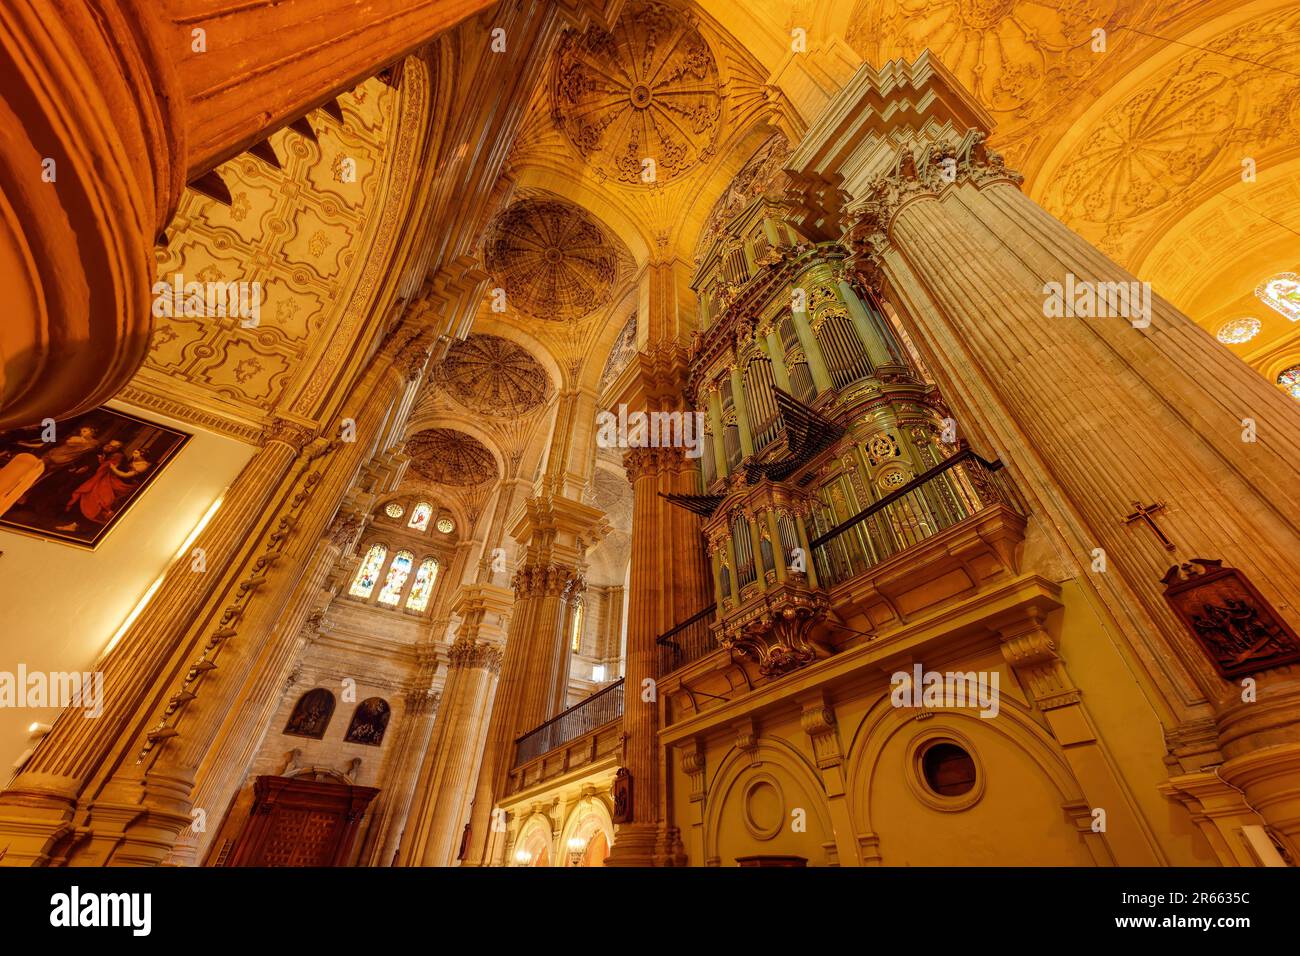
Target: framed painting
{"x": 81, "y": 475}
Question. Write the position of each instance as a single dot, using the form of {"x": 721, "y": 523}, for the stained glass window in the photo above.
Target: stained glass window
{"x": 420, "y": 516}
{"x": 394, "y": 510}
{"x": 1290, "y": 381}
{"x": 577, "y": 627}
{"x": 368, "y": 573}
{"x": 446, "y": 525}
{"x": 1282, "y": 292}
{"x": 397, "y": 575}
{"x": 1237, "y": 331}
{"x": 418, "y": 599}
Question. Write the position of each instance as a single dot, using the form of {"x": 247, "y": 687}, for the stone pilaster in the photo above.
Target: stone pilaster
{"x": 1089, "y": 411}
{"x": 446, "y": 784}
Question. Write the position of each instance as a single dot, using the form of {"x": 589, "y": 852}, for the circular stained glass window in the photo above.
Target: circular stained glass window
{"x": 394, "y": 510}
{"x": 1237, "y": 331}
{"x": 1290, "y": 381}
{"x": 446, "y": 525}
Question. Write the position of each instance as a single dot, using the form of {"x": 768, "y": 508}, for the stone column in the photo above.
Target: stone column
{"x": 555, "y": 533}
{"x": 446, "y": 784}
{"x": 415, "y": 734}
{"x": 136, "y": 811}
{"x": 1090, "y": 412}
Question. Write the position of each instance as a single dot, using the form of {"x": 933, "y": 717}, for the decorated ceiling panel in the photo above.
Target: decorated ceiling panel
{"x": 448, "y": 457}
{"x": 552, "y": 259}
{"x": 297, "y": 230}
{"x": 493, "y": 376}
{"x": 646, "y": 90}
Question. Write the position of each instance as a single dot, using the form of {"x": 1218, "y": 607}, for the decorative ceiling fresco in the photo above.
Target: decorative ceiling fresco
{"x": 648, "y": 89}
{"x": 493, "y": 376}
{"x": 552, "y": 258}
{"x": 298, "y": 230}
{"x": 445, "y": 456}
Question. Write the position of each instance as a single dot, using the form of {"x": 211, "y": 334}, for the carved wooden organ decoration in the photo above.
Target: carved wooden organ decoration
{"x": 816, "y": 410}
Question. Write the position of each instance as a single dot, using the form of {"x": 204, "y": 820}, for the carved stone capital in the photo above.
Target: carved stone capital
{"x": 533, "y": 580}
{"x": 470, "y": 653}
{"x": 286, "y": 432}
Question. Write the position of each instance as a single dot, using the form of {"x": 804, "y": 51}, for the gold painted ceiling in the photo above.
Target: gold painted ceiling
{"x": 646, "y": 89}
{"x": 445, "y": 456}
{"x": 552, "y": 259}
{"x": 493, "y": 376}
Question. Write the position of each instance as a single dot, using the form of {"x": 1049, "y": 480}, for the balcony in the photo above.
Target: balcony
{"x": 581, "y": 735}
{"x": 939, "y": 537}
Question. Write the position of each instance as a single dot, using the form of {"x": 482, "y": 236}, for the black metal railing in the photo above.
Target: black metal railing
{"x": 583, "y": 717}
{"x": 687, "y": 642}
{"x": 937, "y": 499}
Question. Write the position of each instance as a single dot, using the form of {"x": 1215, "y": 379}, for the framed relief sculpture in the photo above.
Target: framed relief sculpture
{"x": 78, "y": 477}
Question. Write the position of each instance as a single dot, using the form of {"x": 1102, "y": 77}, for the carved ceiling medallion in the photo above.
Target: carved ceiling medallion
{"x": 552, "y": 259}
{"x": 448, "y": 457}
{"x": 493, "y": 376}
{"x": 648, "y": 89}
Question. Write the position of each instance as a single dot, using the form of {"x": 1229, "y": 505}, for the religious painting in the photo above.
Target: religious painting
{"x": 622, "y": 794}
{"x": 1235, "y": 626}
{"x": 369, "y": 721}
{"x": 311, "y": 715}
{"x": 81, "y": 475}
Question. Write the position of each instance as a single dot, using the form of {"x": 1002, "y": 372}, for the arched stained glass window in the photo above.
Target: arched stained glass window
{"x": 368, "y": 573}
{"x": 420, "y": 516}
{"x": 1290, "y": 381}
{"x": 418, "y": 599}
{"x": 397, "y": 575}
{"x": 577, "y": 627}
{"x": 1282, "y": 293}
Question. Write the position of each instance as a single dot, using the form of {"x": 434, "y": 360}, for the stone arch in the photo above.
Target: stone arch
{"x": 1011, "y": 743}
{"x": 592, "y": 809}
{"x": 737, "y": 770}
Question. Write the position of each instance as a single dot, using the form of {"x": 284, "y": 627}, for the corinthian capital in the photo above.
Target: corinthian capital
{"x": 286, "y": 432}
{"x": 537, "y": 580}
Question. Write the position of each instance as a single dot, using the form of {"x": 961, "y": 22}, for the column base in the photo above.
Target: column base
{"x": 634, "y": 845}
{"x": 1270, "y": 778}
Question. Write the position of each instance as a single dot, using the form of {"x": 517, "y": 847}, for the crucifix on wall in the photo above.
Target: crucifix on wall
{"x": 1144, "y": 514}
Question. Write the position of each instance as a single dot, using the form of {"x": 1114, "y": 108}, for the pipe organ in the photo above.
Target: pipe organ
{"x": 816, "y": 409}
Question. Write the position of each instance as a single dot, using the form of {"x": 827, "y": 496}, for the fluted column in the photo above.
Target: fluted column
{"x": 414, "y": 736}
{"x": 554, "y": 534}
{"x": 669, "y": 583}
{"x": 447, "y": 779}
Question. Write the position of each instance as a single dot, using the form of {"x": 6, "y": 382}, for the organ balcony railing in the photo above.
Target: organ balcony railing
{"x": 951, "y": 492}
{"x": 583, "y": 717}
{"x": 687, "y": 642}
{"x": 948, "y": 493}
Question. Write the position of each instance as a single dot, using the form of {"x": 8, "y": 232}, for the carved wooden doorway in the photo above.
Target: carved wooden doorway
{"x": 297, "y": 822}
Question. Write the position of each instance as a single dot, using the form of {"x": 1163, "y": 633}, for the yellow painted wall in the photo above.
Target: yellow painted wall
{"x": 62, "y": 604}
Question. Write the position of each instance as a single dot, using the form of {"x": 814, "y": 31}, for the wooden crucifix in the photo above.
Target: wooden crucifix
{"x": 1143, "y": 513}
